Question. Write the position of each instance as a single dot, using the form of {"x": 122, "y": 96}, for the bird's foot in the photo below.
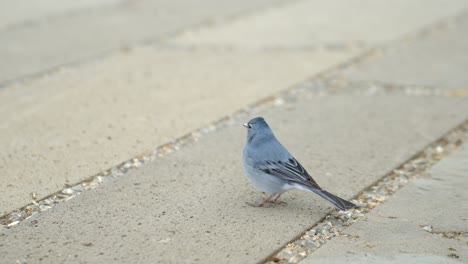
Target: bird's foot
{"x": 276, "y": 201}
{"x": 268, "y": 202}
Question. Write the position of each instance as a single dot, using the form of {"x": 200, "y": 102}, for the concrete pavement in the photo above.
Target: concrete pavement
{"x": 319, "y": 24}
{"x": 127, "y": 105}
{"x": 81, "y": 33}
{"x": 425, "y": 221}
{"x": 192, "y": 206}
{"x": 439, "y": 50}
{"x": 21, "y": 12}
{"x": 138, "y": 98}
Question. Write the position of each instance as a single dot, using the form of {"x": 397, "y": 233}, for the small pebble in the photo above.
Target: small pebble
{"x": 67, "y": 191}
{"x": 427, "y": 228}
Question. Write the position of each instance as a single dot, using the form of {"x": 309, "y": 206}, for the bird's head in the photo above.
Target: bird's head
{"x": 258, "y": 130}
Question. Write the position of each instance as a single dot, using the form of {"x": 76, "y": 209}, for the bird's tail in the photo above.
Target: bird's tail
{"x": 340, "y": 203}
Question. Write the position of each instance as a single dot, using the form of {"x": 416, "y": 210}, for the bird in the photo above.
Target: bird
{"x": 272, "y": 169}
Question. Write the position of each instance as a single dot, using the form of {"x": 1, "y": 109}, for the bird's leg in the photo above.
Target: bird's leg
{"x": 266, "y": 200}
{"x": 275, "y": 201}
{"x": 277, "y": 197}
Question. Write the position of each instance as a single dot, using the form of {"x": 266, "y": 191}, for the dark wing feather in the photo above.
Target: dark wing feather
{"x": 290, "y": 170}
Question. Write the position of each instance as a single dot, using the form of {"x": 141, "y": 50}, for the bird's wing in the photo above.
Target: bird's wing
{"x": 290, "y": 170}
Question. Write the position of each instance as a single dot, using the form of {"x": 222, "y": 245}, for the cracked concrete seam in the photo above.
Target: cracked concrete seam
{"x": 335, "y": 223}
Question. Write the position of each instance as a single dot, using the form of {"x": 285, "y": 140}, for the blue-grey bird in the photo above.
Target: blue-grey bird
{"x": 271, "y": 169}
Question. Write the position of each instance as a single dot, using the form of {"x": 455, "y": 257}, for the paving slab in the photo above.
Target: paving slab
{"x": 20, "y": 12}
{"x": 79, "y": 36}
{"x": 76, "y": 123}
{"x": 401, "y": 258}
{"x": 395, "y": 231}
{"x": 193, "y": 205}
{"x": 335, "y": 24}
{"x": 437, "y": 59}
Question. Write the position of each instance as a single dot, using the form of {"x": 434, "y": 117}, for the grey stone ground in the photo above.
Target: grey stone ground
{"x": 83, "y": 33}
{"x": 426, "y": 218}
{"x": 193, "y": 205}
{"x": 439, "y": 52}
{"x": 123, "y": 98}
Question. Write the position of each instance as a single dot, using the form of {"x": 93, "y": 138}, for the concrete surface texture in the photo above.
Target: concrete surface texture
{"x": 138, "y": 98}
{"x": 400, "y": 258}
{"x": 20, "y": 12}
{"x": 85, "y": 86}
{"x": 78, "y": 36}
{"x": 335, "y": 24}
{"x": 428, "y": 217}
{"x": 194, "y": 205}
{"x": 129, "y": 104}
{"x": 436, "y": 60}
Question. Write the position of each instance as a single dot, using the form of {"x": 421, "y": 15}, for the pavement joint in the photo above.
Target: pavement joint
{"x": 335, "y": 223}
{"x": 329, "y": 47}
{"x": 379, "y": 87}
{"x": 440, "y": 26}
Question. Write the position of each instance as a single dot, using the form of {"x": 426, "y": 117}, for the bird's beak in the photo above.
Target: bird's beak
{"x": 246, "y": 125}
